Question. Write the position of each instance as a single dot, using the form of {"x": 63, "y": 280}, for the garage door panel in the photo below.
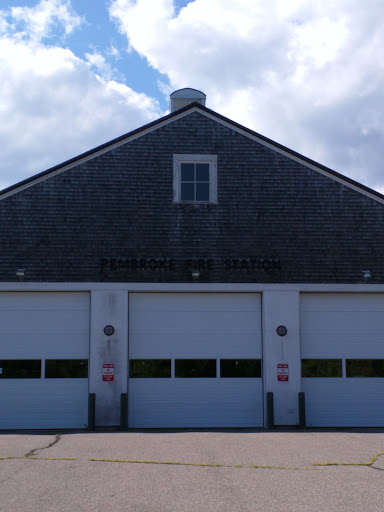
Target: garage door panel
{"x": 208, "y": 321}
{"x": 330, "y": 350}
{"x": 197, "y": 301}
{"x": 37, "y": 324}
{"x": 35, "y": 301}
{"x": 41, "y": 404}
{"x": 341, "y": 403}
{"x": 48, "y": 321}
{"x": 234, "y": 330}
{"x": 332, "y": 345}
{"x": 168, "y": 346}
{"x": 343, "y": 326}
{"x": 341, "y": 320}
{"x": 195, "y": 403}
{"x": 51, "y": 345}
{"x": 44, "y": 325}
{"x": 342, "y": 302}
{"x": 357, "y": 322}
{"x": 195, "y": 326}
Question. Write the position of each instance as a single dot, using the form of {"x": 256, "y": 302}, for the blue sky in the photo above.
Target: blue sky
{"x": 98, "y": 34}
{"x": 75, "y": 74}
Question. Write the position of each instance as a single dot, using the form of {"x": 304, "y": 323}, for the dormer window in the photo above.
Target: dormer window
{"x": 195, "y": 178}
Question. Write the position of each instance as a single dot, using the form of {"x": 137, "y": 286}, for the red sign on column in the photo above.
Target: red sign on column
{"x": 108, "y": 372}
{"x": 282, "y": 372}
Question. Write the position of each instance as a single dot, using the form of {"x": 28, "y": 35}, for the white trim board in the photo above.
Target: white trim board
{"x": 193, "y": 287}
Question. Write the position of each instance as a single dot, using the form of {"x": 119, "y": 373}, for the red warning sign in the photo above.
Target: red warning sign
{"x": 108, "y": 372}
{"x": 282, "y": 372}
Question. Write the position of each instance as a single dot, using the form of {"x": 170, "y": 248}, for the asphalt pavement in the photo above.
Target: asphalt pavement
{"x": 192, "y": 470}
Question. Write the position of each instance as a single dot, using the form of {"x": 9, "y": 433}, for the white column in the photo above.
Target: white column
{"x": 282, "y": 308}
{"x": 108, "y": 308}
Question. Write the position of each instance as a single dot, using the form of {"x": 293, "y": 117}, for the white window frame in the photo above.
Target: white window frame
{"x": 209, "y": 159}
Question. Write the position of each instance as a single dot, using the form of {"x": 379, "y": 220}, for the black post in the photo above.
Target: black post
{"x": 123, "y": 411}
{"x": 302, "y": 409}
{"x": 91, "y": 411}
{"x": 270, "y": 413}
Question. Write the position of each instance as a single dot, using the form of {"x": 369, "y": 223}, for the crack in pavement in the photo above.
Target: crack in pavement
{"x": 55, "y": 441}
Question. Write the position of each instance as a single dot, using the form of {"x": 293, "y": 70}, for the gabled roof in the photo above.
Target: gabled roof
{"x": 192, "y": 107}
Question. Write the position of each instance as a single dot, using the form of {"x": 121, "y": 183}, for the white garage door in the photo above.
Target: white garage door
{"x": 44, "y": 360}
{"x": 342, "y": 353}
{"x": 195, "y": 360}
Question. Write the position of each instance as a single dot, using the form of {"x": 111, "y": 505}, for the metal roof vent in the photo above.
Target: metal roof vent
{"x": 184, "y": 97}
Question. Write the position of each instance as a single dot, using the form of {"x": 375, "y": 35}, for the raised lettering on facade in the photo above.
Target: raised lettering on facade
{"x": 248, "y": 265}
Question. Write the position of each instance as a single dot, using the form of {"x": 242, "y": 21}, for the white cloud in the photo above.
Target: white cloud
{"x": 307, "y": 74}
{"x": 53, "y": 106}
{"x": 41, "y": 19}
{"x": 114, "y": 52}
{"x": 100, "y": 64}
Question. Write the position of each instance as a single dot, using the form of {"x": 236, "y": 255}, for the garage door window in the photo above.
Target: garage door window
{"x": 321, "y": 368}
{"x": 20, "y": 369}
{"x": 240, "y": 368}
{"x": 195, "y": 368}
{"x": 66, "y": 368}
{"x": 365, "y": 367}
{"x": 150, "y": 368}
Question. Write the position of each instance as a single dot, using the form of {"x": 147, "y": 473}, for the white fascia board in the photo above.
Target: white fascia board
{"x": 294, "y": 158}
{"x": 87, "y": 158}
{"x": 193, "y": 287}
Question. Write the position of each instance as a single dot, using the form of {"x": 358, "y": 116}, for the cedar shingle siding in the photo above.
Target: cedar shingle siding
{"x": 278, "y": 219}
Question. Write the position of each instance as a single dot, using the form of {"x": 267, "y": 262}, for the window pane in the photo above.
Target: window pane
{"x": 66, "y": 368}
{"x": 365, "y": 367}
{"x": 195, "y": 368}
{"x": 321, "y": 368}
{"x": 202, "y": 191}
{"x": 20, "y": 369}
{"x": 187, "y": 172}
{"x": 187, "y": 192}
{"x": 150, "y": 368}
{"x": 240, "y": 368}
{"x": 202, "y": 172}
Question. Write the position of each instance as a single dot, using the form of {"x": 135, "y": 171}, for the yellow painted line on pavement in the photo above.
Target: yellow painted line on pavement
{"x": 38, "y": 458}
{"x": 368, "y": 463}
{"x": 166, "y": 462}
{"x": 314, "y": 465}
{"x": 51, "y": 458}
{"x": 195, "y": 464}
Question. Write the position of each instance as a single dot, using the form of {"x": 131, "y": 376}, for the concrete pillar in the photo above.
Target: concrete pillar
{"x": 108, "y": 308}
{"x": 282, "y": 308}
